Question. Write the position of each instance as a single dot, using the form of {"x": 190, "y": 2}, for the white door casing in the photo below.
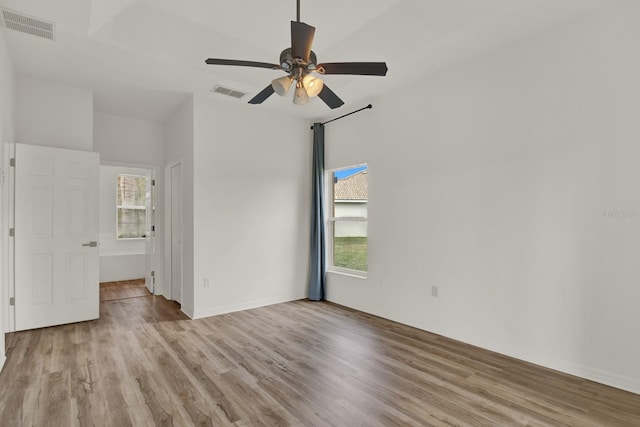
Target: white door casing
{"x": 150, "y": 234}
{"x": 56, "y": 235}
{"x": 176, "y": 232}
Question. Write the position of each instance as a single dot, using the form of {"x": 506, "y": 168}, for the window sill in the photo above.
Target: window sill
{"x": 350, "y": 273}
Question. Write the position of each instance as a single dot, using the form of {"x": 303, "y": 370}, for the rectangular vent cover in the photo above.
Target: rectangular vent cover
{"x": 228, "y": 92}
{"x": 28, "y": 24}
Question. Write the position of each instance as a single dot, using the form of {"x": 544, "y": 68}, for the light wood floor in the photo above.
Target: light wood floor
{"x": 110, "y": 291}
{"x": 300, "y": 363}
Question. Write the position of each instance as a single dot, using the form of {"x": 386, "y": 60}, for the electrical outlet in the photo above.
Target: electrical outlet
{"x": 207, "y": 282}
{"x": 434, "y": 291}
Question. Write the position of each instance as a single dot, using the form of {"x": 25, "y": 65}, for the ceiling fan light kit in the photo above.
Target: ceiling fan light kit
{"x": 299, "y": 61}
{"x": 312, "y": 84}
{"x": 300, "y": 97}
{"x": 281, "y": 85}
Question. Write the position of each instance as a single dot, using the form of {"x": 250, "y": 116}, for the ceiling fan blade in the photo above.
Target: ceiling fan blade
{"x": 355, "y": 68}
{"x": 301, "y": 40}
{"x": 215, "y": 61}
{"x": 330, "y": 98}
{"x": 262, "y": 96}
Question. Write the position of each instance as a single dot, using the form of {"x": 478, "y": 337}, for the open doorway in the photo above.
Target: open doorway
{"x": 126, "y": 232}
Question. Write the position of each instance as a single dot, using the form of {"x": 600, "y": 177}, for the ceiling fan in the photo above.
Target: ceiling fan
{"x": 299, "y": 62}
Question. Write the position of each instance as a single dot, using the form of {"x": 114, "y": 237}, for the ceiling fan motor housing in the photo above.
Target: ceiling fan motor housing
{"x": 288, "y": 63}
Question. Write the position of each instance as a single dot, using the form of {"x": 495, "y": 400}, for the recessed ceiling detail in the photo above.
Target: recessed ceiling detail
{"x": 143, "y": 58}
{"x": 28, "y": 24}
{"x": 228, "y": 92}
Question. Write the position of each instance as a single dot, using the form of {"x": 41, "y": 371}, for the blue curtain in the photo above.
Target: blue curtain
{"x": 317, "y": 261}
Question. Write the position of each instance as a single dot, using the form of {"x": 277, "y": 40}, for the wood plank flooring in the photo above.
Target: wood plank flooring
{"x": 143, "y": 363}
{"x": 110, "y": 291}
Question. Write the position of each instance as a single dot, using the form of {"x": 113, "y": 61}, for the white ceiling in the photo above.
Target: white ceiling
{"x": 142, "y": 57}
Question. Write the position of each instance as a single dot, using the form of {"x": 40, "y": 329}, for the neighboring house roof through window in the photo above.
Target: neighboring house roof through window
{"x": 353, "y": 187}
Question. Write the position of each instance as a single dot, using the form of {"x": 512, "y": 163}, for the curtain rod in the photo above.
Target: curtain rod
{"x": 348, "y": 114}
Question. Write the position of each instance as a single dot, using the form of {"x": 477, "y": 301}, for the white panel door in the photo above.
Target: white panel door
{"x": 56, "y": 234}
{"x": 176, "y": 233}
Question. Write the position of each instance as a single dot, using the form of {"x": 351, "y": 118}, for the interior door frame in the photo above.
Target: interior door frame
{"x": 8, "y": 222}
{"x": 7, "y": 290}
{"x": 159, "y": 234}
{"x": 3, "y": 239}
{"x": 150, "y": 242}
{"x": 168, "y": 290}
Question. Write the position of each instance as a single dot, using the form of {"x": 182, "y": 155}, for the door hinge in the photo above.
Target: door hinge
{"x": 153, "y": 228}
{"x": 12, "y": 301}
{"x": 12, "y": 162}
{"x": 12, "y": 232}
{"x": 153, "y": 182}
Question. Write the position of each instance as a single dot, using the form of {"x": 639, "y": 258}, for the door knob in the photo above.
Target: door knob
{"x": 91, "y": 244}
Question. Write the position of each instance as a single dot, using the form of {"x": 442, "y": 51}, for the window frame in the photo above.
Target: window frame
{"x": 131, "y": 207}
{"x": 331, "y": 220}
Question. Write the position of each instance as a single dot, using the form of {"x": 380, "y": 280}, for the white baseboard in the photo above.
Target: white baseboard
{"x": 214, "y": 311}
{"x": 597, "y": 375}
{"x": 621, "y": 382}
{"x": 603, "y": 377}
{"x": 189, "y": 314}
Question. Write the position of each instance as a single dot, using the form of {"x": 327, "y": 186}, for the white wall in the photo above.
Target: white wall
{"x": 252, "y": 183}
{"x": 130, "y": 140}
{"x": 502, "y": 168}
{"x": 7, "y": 90}
{"x": 53, "y": 115}
{"x": 179, "y": 148}
{"x": 7, "y": 114}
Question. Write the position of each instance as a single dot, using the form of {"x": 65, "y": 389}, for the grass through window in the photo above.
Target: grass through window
{"x": 350, "y": 252}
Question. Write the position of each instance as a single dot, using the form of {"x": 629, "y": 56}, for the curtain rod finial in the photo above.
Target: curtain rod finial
{"x": 369, "y": 106}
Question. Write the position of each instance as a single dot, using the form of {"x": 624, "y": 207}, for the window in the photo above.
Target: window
{"x": 131, "y": 212}
{"x": 347, "y": 231}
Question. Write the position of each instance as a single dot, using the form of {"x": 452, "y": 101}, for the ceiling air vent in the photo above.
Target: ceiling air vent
{"x": 228, "y": 92}
{"x": 28, "y": 24}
